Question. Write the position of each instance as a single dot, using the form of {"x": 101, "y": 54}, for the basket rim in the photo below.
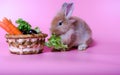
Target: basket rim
{"x": 23, "y": 36}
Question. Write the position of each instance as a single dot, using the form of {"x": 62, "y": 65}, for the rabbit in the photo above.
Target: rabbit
{"x": 73, "y": 31}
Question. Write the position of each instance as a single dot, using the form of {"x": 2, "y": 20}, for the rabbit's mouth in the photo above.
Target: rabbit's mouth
{"x": 58, "y": 33}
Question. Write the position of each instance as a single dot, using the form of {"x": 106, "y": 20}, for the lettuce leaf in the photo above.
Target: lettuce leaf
{"x": 55, "y": 43}
{"x": 23, "y": 25}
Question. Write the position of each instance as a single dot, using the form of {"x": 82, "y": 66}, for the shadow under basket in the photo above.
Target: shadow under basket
{"x": 26, "y": 44}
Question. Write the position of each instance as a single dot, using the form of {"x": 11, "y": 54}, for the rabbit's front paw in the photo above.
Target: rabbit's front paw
{"x": 82, "y": 46}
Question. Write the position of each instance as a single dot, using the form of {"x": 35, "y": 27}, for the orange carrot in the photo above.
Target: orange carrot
{"x": 5, "y": 28}
{"x": 12, "y": 27}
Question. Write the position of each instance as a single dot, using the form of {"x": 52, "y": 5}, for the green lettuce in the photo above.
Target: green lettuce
{"x": 23, "y": 25}
{"x": 55, "y": 43}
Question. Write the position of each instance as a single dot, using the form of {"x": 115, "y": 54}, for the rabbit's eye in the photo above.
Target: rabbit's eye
{"x": 60, "y": 23}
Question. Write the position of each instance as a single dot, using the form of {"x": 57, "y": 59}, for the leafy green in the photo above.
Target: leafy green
{"x": 37, "y": 29}
{"x": 23, "y": 25}
{"x": 55, "y": 42}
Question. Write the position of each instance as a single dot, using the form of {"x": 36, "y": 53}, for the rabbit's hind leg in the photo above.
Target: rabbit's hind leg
{"x": 84, "y": 43}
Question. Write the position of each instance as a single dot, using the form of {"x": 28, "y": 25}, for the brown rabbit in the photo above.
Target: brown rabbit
{"x": 72, "y": 30}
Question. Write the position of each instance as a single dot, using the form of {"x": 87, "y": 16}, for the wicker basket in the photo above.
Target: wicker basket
{"x": 26, "y": 44}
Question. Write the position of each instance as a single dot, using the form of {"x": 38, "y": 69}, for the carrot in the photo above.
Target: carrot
{"x": 12, "y": 27}
{"x": 2, "y": 25}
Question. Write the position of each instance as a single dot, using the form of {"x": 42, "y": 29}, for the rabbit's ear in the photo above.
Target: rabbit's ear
{"x": 69, "y": 9}
{"x": 64, "y": 6}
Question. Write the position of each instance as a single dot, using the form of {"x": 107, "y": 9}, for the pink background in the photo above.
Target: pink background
{"x": 103, "y": 16}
